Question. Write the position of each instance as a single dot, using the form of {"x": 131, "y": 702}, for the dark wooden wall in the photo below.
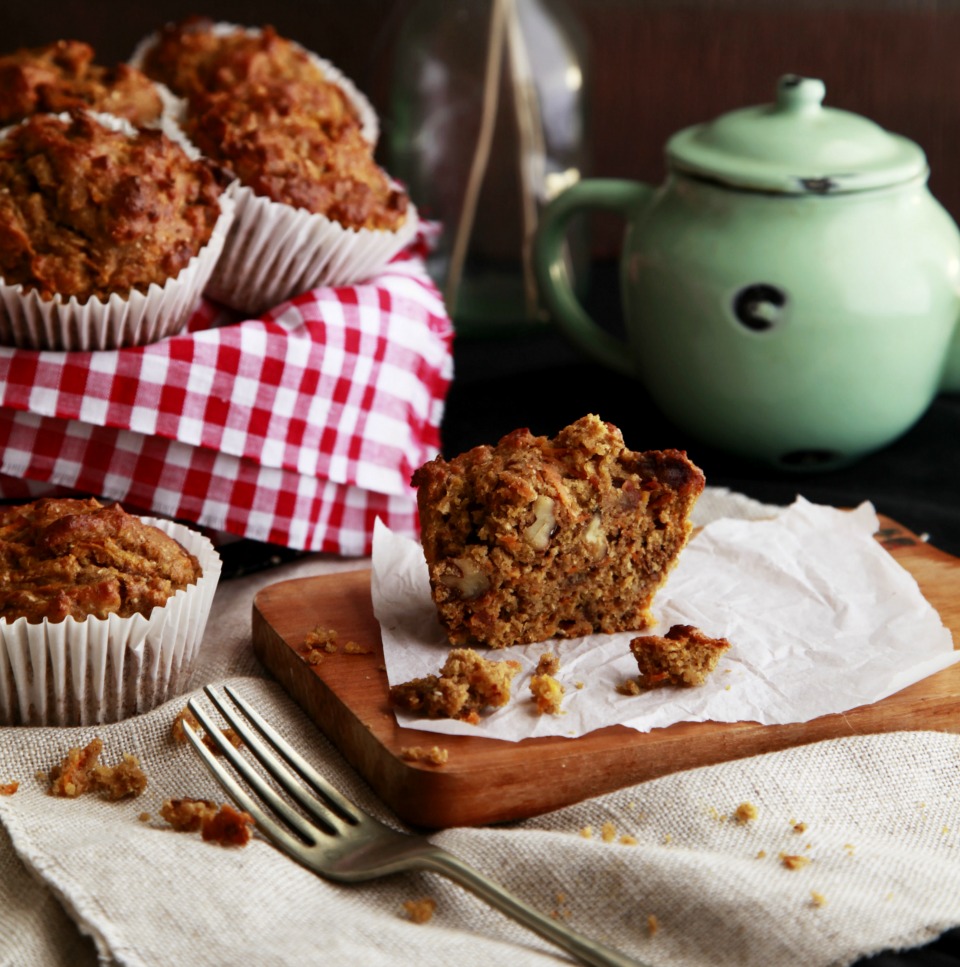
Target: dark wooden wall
{"x": 656, "y": 65}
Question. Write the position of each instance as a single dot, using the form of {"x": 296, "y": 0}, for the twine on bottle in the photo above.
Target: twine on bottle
{"x": 505, "y": 32}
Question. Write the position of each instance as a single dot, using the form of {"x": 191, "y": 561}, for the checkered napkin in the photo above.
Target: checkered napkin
{"x": 298, "y": 428}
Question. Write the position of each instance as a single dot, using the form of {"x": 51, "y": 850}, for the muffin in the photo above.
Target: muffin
{"x": 101, "y": 611}
{"x": 108, "y": 233}
{"x": 63, "y": 76}
{"x": 313, "y": 206}
{"x": 539, "y": 537}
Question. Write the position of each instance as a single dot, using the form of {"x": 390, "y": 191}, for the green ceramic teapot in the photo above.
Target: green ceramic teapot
{"x": 791, "y": 293}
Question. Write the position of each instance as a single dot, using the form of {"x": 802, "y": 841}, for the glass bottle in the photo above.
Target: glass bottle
{"x": 488, "y": 122}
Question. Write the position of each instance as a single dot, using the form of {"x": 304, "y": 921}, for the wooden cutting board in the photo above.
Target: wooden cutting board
{"x": 488, "y": 780}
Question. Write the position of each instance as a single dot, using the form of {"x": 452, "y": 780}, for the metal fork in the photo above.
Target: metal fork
{"x": 344, "y": 843}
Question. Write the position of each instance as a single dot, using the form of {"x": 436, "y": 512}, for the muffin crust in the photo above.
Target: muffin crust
{"x": 63, "y": 76}
{"x": 61, "y": 557}
{"x": 86, "y": 211}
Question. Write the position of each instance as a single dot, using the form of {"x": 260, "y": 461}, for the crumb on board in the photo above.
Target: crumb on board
{"x": 433, "y": 756}
{"x": 354, "y": 648}
{"x": 81, "y": 771}
{"x": 9, "y": 788}
{"x": 793, "y": 861}
{"x": 420, "y": 911}
{"x": 319, "y": 643}
{"x": 745, "y": 812}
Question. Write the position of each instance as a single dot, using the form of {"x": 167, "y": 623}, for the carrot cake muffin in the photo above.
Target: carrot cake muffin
{"x": 77, "y": 558}
{"x": 63, "y": 76}
{"x": 88, "y": 211}
{"x": 683, "y": 656}
{"x": 467, "y": 684}
{"x": 299, "y": 138}
{"x": 535, "y": 537}
{"x": 262, "y": 106}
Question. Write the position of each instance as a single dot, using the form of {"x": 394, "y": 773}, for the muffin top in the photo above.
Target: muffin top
{"x": 89, "y": 211}
{"x": 194, "y": 58}
{"x": 76, "y": 557}
{"x": 62, "y": 76}
{"x": 267, "y": 136}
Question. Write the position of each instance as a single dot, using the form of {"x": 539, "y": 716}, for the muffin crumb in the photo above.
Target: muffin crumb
{"x": 81, "y": 771}
{"x": 467, "y": 684}
{"x": 546, "y": 690}
{"x": 746, "y": 812}
{"x": 794, "y": 861}
{"x": 420, "y": 911}
{"x": 434, "y": 756}
{"x": 9, "y": 788}
{"x": 225, "y": 826}
{"x": 684, "y": 656}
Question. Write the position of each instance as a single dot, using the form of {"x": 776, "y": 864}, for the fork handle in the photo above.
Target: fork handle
{"x": 587, "y": 951}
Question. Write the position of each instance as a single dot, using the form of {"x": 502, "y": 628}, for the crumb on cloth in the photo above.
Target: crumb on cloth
{"x": 81, "y": 771}
{"x": 421, "y": 910}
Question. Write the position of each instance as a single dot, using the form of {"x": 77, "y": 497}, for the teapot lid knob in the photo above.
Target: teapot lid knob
{"x": 800, "y": 95}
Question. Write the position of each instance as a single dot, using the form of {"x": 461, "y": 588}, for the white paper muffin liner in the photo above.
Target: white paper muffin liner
{"x": 275, "y": 252}
{"x": 134, "y": 318}
{"x": 103, "y": 670}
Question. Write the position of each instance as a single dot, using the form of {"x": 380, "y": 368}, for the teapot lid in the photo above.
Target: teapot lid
{"x": 796, "y": 146}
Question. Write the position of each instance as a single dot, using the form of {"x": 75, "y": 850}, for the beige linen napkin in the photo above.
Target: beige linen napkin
{"x": 878, "y": 817}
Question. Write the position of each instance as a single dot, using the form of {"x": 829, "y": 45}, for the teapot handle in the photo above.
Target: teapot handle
{"x": 616, "y": 195}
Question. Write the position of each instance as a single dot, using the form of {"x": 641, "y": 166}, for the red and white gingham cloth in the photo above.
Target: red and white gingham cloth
{"x": 298, "y": 428}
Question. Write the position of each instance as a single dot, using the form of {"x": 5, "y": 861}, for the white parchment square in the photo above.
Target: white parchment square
{"x": 820, "y": 618}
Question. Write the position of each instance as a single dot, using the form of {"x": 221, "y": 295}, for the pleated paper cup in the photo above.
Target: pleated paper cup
{"x": 132, "y": 318}
{"x": 106, "y": 669}
{"x": 275, "y": 252}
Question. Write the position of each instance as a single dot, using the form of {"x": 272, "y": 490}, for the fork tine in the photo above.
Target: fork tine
{"x": 266, "y": 825}
{"x": 291, "y": 817}
{"x": 332, "y": 796}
